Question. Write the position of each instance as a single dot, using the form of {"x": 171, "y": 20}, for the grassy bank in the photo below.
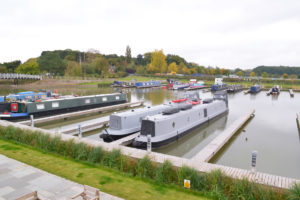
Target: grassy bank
{"x": 214, "y": 184}
{"x": 105, "y": 179}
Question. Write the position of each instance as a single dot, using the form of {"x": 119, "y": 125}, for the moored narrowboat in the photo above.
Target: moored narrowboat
{"x": 147, "y": 84}
{"x": 219, "y": 85}
{"x": 177, "y": 122}
{"x": 234, "y": 88}
{"x": 20, "y": 109}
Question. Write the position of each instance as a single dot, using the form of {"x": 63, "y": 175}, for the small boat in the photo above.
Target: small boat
{"x": 170, "y": 126}
{"x": 117, "y": 83}
{"x": 180, "y": 100}
{"x": 180, "y": 86}
{"x": 255, "y": 89}
{"x": 219, "y": 85}
{"x": 234, "y": 88}
{"x": 275, "y": 90}
{"x": 126, "y": 123}
{"x": 194, "y": 84}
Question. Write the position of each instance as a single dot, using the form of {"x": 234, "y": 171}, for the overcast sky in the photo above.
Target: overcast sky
{"x": 224, "y": 33}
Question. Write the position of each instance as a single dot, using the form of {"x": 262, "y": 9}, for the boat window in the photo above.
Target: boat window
{"x": 40, "y": 106}
{"x": 117, "y": 97}
{"x": 55, "y": 105}
{"x": 87, "y": 101}
{"x": 205, "y": 112}
{"x": 104, "y": 99}
{"x": 173, "y": 124}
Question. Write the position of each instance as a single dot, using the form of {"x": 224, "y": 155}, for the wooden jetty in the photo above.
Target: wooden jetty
{"x": 199, "y": 88}
{"x": 214, "y": 146}
{"x": 83, "y": 112}
{"x": 291, "y": 92}
{"x": 202, "y": 167}
{"x": 86, "y": 126}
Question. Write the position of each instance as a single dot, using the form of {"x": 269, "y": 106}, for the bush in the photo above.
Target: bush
{"x": 96, "y": 155}
{"x": 294, "y": 192}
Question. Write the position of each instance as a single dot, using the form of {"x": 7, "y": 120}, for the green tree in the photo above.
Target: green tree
{"x": 264, "y": 75}
{"x": 173, "y": 67}
{"x": 240, "y": 73}
{"x": 298, "y": 76}
{"x": 51, "y": 62}
{"x": 252, "y": 74}
{"x": 128, "y": 54}
{"x": 101, "y": 66}
{"x": 31, "y": 66}
{"x": 73, "y": 69}
{"x": 11, "y": 66}
{"x": 3, "y": 69}
{"x": 285, "y": 75}
{"x": 158, "y": 62}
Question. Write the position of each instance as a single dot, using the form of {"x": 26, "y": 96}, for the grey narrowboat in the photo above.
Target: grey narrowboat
{"x": 172, "y": 125}
{"x": 125, "y": 123}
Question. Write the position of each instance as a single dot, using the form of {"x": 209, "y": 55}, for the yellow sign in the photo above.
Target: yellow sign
{"x": 187, "y": 183}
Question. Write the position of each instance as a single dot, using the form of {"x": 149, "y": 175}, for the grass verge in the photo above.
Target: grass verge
{"x": 105, "y": 179}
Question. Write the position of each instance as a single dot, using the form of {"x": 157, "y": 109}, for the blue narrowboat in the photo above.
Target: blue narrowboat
{"x": 147, "y": 84}
{"x": 219, "y": 85}
{"x": 255, "y": 88}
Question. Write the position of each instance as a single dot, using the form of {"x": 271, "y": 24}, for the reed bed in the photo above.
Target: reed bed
{"x": 214, "y": 184}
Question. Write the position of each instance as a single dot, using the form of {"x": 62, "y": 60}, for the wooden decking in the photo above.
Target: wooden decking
{"x": 204, "y": 167}
{"x": 86, "y": 126}
{"x": 214, "y": 146}
{"x": 84, "y": 112}
{"x": 126, "y": 140}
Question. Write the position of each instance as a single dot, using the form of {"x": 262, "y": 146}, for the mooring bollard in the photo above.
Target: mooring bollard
{"x": 79, "y": 131}
{"x": 253, "y": 163}
{"x": 149, "y": 143}
{"x": 32, "y": 120}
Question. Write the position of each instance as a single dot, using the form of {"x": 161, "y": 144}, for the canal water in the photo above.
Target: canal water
{"x": 272, "y": 132}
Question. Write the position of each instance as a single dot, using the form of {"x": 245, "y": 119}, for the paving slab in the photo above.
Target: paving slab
{"x": 18, "y": 179}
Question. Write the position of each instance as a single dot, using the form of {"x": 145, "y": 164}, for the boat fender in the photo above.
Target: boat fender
{"x": 132, "y": 110}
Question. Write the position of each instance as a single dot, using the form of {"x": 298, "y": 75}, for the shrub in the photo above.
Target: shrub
{"x": 144, "y": 168}
{"x": 112, "y": 159}
{"x": 294, "y": 192}
{"x": 96, "y": 155}
{"x": 164, "y": 172}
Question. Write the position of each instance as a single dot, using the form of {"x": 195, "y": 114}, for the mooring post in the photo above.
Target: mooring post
{"x": 79, "y": 131}
{"x": 32, "y": 120}
{"x": 149, "y": 143}
{"x": 253, "y": 163}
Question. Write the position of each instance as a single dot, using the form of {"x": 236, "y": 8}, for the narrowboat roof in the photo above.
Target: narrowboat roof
{"x": 139, "y": 110}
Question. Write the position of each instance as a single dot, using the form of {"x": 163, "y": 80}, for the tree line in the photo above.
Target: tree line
{"x": 92, "y": 63}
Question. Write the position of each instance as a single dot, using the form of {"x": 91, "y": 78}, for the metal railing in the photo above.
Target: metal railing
{"x": 20, "y": 76}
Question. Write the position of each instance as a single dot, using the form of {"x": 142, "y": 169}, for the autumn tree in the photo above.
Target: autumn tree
{"x": 73, "y": 69}
{"x": 173, "y": 67}
{"x": 128, "y": 54}
{"x": 240, "y": 73}
{"x": 31, "y": 66}
{"x": 158, "y": 62}
{"x": 252, "y": 74}
{"x": 285, "y": 75}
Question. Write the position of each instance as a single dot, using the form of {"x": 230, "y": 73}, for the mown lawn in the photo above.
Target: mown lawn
{"x": 105, "y": 179}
